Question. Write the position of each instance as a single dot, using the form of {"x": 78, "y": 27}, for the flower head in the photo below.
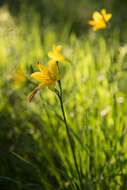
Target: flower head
{"x": 55, "y": 54}
{"x": 19, "y": 77}
{"x": 47, "y": 77}
{"x": 100, "y": 20}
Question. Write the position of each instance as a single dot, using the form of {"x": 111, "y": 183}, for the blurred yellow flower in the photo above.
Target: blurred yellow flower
{"x": 55, "y": 54}
{"x": 19, "y": 76}
{"x": 100, "y": 20}
{"x": 47, "y": 76}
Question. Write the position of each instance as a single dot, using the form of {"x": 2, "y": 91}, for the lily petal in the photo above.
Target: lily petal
{"x": 56, "y": 49}
{"x": 103, "y": 12}
{"x": 52, "y": 66}
{"x": 38, "y": 76}
{"x": 92, "y": 22}
{"x": 97, "y": 16}
{"x": 42, "y": 67}
{"x": 100, "y": 26}
{"x": 30, "y": 97}
{"x": 51, "y": 55}
{"x": 42, "y": 85}
{"x": 107, "y": 17}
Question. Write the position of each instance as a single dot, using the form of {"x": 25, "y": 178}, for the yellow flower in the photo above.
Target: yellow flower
{"x": 55, "y": 54}
{"x": 19, "y": 77}
{"x": 100, "y": 20}
{"x": 47, "y": 77}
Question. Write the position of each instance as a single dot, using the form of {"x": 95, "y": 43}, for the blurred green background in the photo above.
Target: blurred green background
{"x": 34, "y": 149}
{"x": 73, "y": 13}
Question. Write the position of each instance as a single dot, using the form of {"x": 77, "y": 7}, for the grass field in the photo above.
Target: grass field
{"x": 34, "y": 147}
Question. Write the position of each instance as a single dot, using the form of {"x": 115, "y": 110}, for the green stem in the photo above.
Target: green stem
{"x": 59, "y": 82}
{"x": 67, "y": 129}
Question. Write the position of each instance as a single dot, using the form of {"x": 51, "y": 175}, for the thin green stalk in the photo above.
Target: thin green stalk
{"x": 59, "y": 82}
{"x": 67, "y": 129}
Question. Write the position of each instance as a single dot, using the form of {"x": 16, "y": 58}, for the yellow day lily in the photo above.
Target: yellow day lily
{"x": 100, "y": 20}
{"x": 19, "y": 76}
{"x": 47, "y": 77}
{"x": 55, "y": 54}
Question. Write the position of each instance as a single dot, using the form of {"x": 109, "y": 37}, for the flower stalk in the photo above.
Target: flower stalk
{"x": 59, "y": 94}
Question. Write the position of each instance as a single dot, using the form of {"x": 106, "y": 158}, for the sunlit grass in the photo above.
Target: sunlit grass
{"x": 94, "y": 93}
